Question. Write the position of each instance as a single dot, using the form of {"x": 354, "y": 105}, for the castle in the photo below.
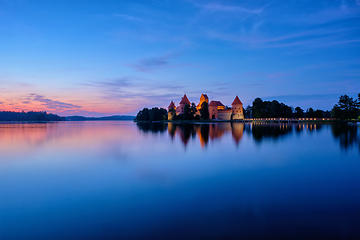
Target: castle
{"x": 217, "y": 110}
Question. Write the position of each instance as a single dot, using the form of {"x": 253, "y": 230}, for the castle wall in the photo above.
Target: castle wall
{"x": 237, "y": 111}
{"x": 237, "y": 116}
{"x": 213, "y": 112}
{"x": 224, "y": 114}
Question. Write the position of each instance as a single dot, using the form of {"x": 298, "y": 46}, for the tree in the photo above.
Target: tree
{"x": 157, "y": 114}
{"x": 346, "y": 108}
{"x": 172, "y": 112}
{"x": 192, "y": 112}
{"x": 257, "y": 108}
{"x": 299, "y": 113}
{"x": 248, "y": 112}
{"x": 204, "y": 111}
{"x": 143, "y": 115}
{"x": 275, "y": 109}
{"x": 186, "y": 115}
{"x": 318, "y": 113}
{"x": 285, "y": 111}
{"x": 336, "y": 111}
{"x": 193, "y": 109}
{"x": 267, "y": 109}
{"x": 309, "y": 113}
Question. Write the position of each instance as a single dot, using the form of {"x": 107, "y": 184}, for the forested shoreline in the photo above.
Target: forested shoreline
{"x": 11, "y": 116}
{"x": 346, "y": 108}
{"x": 29, "y": 116}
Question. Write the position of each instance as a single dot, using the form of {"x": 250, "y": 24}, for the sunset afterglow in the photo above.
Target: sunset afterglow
{"x": 100, "y": 58}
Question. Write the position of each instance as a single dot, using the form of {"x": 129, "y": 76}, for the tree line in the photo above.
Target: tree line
{"x": 161, "y": 114}
{"x": 346, "y": 108}
{"x": 274, "y": 109}
{"x": 29, "y": 116}
{"x": 154, "y": 114}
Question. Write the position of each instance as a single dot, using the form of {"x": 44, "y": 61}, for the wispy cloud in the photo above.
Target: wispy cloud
{"x": 113, "y": 83}
{"x": 111, "y": 87}
{"x": 311, "y": 38}
{"x": 217, "y": 7}
{"x": 51, "y": 104}
{"x": 153, "y": 64}
{"x": 133, "y": 93}
{"x": 116, "y": 15}
{"x": 127, "y": 17}
{"x": 329, "y": 14}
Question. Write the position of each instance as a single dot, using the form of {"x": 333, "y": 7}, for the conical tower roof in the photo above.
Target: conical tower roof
{"x": 237, "y": 101}
{"x": 185, "y": 100}
{"x": 205, "y": 96}
{"x": 172, "y": 105}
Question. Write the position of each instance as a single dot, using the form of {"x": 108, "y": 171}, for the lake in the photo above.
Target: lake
{"x": 122, "y": 180}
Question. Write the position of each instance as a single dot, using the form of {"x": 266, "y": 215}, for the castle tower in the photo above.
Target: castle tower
{"x": 182, "y": 104}
{"x": 203, "y": 98}
{"x": 237, "y": 109}
{"x": 171, "y": 106}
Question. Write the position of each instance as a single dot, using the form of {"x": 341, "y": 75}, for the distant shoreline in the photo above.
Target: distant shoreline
{"x": 9, "y": 116}
{"x": 10, "y": 121}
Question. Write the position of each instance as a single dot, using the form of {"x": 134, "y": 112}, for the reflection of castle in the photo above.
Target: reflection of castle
{"x": 206, "y": 132}
{"x": 217, "y": 110}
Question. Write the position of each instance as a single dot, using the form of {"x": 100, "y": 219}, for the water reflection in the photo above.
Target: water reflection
{"x": 121, "y": 180}
{"x": 152, "y": 127}
{"x": 273, "y": 131}
{"x": 206, "y": 132}
{"x": 346, "y": 134}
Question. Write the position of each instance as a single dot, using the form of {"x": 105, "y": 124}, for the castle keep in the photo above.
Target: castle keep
{"x": 217, "y": 110}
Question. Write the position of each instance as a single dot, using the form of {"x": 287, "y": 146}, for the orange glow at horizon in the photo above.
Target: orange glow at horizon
{"x": 66, "y": 106}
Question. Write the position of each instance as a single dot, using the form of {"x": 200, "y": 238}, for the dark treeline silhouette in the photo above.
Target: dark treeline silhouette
{"x": 154, "y": 114}
{"x": 274, "y": 109}
{"x": 347, "y": 108}
{"x": 267, "y": 109}
{"x": 29, "y": 116}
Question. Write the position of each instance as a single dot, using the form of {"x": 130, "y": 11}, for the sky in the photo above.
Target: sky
{"x": 101, "y": 58}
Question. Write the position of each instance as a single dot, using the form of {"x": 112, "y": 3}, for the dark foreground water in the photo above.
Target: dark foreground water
{"x": 120, "y": 180}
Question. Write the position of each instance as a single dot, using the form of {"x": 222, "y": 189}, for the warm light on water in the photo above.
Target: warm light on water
{"x": 120, "y": 180}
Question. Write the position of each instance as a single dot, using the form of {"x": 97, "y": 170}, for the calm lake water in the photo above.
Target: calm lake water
{"x": 120, "y": 180}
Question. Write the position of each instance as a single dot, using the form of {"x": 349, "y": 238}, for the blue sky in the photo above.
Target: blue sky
{"x": 98, "y": 58}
